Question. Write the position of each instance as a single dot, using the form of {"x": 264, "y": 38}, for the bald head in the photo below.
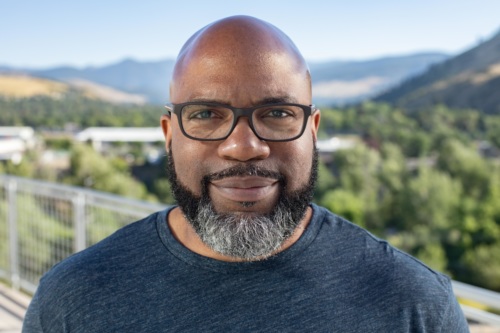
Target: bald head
{"x": 239, "y": 43}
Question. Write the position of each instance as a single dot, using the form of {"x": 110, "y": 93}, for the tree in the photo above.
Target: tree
{"x": 90, "y": 169}
{"x": 357, "y": 174}
{"x": 483, "y": 266}
{"x": 345, "y": 204}
{"x": 326, "y": 181}
{"x": 465, "y": 164}
{"x": 431, "y": 200}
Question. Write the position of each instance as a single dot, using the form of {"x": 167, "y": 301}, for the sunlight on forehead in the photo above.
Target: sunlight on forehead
{"x": 270, "y": 75}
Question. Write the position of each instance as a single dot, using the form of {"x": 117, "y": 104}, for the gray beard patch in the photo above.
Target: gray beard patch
{"x": 244, "y": 236}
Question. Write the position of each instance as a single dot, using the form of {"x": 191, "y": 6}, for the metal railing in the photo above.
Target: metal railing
{"x": 42, "y": 223}
{"x": 480, "y": 295}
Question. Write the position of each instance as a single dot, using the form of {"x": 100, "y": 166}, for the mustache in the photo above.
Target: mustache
{"x": 242, "y": 170}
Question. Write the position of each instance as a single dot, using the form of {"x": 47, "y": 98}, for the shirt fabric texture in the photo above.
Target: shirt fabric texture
{"x": 336, "y": 278}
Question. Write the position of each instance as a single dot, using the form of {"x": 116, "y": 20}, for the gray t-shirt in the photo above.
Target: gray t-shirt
{"x": 336, "y": 278}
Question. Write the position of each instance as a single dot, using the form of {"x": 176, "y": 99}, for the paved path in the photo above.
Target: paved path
{"x": 13, "y": 305}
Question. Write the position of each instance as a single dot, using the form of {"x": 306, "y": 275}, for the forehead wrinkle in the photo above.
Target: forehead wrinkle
{"x": 252, "y": 62}
{"x": 213, "y": 78}
{"x": 219, "y": 92}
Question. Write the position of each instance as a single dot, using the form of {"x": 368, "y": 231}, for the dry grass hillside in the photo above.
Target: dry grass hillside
{"x": 21, "y": 86}
{"x": 24, "y": 86}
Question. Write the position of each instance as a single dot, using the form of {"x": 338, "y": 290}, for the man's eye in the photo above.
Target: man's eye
{"x": 203, "y": 114}
{"x": 278, "y": 113}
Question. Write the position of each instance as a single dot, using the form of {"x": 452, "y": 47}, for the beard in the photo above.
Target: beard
{"x": 249, "y": 236}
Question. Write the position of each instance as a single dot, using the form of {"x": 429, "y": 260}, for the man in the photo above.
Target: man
{"x": 244, "y": 250}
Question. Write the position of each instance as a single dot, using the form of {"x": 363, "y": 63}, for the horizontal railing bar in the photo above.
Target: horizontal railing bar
{"x": 43, "y": 187}
{"x": 96, "y": 200}
{"x": 51, "y": 193}
{"x": 481, "y": 316}
{"x": 28, "y": 286}
{"x": 480, "y": 295}
{"x": 123, "y": 209}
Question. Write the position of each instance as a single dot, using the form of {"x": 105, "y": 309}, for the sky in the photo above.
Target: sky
{"x": 41, "y": 34}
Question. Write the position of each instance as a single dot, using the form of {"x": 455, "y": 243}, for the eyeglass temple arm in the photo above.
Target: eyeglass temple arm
{"x": 169, "y": 109}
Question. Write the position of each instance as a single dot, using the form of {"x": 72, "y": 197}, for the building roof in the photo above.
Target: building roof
{"x": 121, "y": 134}
{"x": 334, "y": 144}
{"x": 23, "y": 132}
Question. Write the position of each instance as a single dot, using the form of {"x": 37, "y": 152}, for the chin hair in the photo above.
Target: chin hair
{"x": 244, "y": 236}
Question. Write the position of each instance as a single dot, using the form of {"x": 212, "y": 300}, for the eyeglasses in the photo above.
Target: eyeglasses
{"x": 270, "y": 122}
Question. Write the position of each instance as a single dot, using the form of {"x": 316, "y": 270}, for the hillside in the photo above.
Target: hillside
{"x": 334, "y": 82}
{"x": 341, "y": 82}
{"x": 150, "y": 79}
{"x": 25, "y": 86}
{"x": 469, "y": 80}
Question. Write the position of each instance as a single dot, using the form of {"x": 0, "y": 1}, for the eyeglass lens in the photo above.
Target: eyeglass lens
{"x": 276, "y": 122}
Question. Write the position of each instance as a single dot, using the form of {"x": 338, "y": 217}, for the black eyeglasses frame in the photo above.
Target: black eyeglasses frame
{"x": 241, "y": 112}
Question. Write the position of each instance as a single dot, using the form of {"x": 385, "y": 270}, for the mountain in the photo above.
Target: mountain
{"x": 23, "y": 86}
{"x": 339, "y": 82}
{"x": 334, "y": 82}
{"x": 469, "y": 80}
{"x": 149, "y": 79}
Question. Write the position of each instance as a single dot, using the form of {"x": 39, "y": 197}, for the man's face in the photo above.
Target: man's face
{"x": 242, "y": 176}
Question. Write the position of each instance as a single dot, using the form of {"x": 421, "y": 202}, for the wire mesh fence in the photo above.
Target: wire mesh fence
{"x": 42, "y": 223}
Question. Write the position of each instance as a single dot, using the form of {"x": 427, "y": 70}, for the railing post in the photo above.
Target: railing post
{"x": 80, "y": 239}
{"x": 15, "y": 278}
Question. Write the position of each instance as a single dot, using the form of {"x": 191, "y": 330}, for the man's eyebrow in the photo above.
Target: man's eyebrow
{"x": 205, "y": 100}
{"x": 276, "y": 100}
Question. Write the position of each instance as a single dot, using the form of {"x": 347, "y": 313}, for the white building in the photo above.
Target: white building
{"x": 333, "y": 144}
{"x": 14, "y": 141}
{"x": 100, "y": 135}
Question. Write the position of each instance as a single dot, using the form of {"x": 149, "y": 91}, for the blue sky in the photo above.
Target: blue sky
{"x": 46, "y": 33}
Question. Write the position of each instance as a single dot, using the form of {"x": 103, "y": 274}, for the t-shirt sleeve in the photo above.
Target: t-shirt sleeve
{"x": 454, "y": 319}
{"x": 31, "y": 322}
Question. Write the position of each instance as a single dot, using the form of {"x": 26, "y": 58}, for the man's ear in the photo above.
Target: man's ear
{"x": 166, "y": 126}
{"x": 315, "y": 118}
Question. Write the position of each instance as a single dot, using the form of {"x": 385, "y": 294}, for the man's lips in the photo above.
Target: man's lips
{"x": 246, "y": 188}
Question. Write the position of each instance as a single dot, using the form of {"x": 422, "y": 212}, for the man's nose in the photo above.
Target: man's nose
{"x": 243, "y": 145}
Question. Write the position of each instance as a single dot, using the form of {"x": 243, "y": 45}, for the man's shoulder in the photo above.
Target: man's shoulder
{"x": 108, "y": 254}
{"x": 364, "y": 253}
{"x": 373, "y": 271}
{"x": 100, "y": 275}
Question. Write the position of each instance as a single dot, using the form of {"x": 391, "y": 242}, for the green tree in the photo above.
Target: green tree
{"x": 357, "y": 174}
{"x": 332, "y": 121}
{"x": 326, "y": 181}
{"x": 26, "y": 168}
{"x": 90, "y": 169}
{"x": 431, "y": 200}
{"x": 162, "y": 190}
{"x": 483, "y": 266}
{"x": 466, "y": 165}
{"x": 433, "y": 254}
{"x": 345, "y": 204}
